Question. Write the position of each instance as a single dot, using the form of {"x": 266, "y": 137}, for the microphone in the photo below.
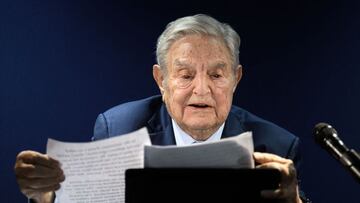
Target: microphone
{"x": 327, "y": 137}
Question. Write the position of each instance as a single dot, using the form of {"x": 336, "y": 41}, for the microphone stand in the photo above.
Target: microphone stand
{"x": 349, "y": 158}
{"x": 355, "y": 160}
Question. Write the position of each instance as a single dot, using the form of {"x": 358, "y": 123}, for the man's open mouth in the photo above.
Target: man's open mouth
{"x": 199, "y": 105}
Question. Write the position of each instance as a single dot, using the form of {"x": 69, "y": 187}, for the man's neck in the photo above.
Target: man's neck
{"x": 200, "y": 134}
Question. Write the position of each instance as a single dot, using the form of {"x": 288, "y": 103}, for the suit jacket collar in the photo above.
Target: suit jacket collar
{"x": 162, "y": 133}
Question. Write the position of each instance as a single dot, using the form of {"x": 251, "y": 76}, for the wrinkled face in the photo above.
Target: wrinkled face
{"x": 199, "y": 84}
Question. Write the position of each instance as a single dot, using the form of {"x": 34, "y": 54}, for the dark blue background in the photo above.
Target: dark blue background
{"x": 63, "y": 62}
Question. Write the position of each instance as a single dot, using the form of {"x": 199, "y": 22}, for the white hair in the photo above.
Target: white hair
{"x": 197, "y": 24}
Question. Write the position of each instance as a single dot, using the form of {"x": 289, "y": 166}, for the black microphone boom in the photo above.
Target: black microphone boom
{"x": 327, "y": 137}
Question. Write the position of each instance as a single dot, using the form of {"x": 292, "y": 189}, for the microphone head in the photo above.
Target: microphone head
{"x": 325, "y": 132}
{"x": 326, "y": 136}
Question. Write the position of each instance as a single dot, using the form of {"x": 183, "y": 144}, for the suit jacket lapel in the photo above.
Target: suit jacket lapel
{"x": 233, "y": 126}
{"x": 161, "y": 131}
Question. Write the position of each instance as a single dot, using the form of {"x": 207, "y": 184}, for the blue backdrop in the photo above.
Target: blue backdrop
{"x": 63, "y": 62}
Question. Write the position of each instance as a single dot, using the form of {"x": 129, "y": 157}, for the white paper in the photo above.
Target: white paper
{"x": 94, "y": 171}
{"x": 232, "y": 152}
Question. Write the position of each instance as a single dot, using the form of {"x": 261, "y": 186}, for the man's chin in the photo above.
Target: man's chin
{"x": 200, "y": 126}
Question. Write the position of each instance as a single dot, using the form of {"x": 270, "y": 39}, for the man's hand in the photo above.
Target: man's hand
{"x": 38, "y": 175}
{"x": 288, "y": 189}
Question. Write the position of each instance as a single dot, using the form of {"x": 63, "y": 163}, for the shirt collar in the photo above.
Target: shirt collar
{"x": 183, "y": 139}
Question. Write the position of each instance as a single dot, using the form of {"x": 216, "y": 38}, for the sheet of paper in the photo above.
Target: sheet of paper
{"x": 94, "y": 171}
{"x": 233, "y": 152}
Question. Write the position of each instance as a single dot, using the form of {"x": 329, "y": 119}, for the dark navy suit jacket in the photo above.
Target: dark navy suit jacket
{"x": 152, "y": 114}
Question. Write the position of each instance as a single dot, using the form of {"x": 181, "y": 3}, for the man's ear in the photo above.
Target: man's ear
{"x": 238, "y": 76}
{"x": 158, "y": 75}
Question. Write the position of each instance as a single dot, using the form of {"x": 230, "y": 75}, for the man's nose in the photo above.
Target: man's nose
{"x": 201, "y": 85}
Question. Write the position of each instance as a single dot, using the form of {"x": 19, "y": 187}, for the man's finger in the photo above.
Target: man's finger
{"x": 288, "y": 172}
{"x": 271, "y": 165}
{"x": 40, "y": 183}
{"x": 37, "y": 171}
{"x": 273, "y": 194}
{"x": 32, "y": 157}
{"x": 261, "y": 158}
{"x": 31, "y": 193}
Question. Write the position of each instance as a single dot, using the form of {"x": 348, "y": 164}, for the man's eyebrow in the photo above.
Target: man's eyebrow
{"x": 219, "y": 65}
{"x": 181, "y": 63}
{"x": 178, "y": 63}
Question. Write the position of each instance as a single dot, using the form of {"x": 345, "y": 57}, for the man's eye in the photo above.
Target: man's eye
{"x": 216, "y": 76}
{"x": 186, "y": 77}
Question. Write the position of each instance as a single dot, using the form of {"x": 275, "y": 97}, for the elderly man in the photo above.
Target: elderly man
{"x": 197, "y": 73}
